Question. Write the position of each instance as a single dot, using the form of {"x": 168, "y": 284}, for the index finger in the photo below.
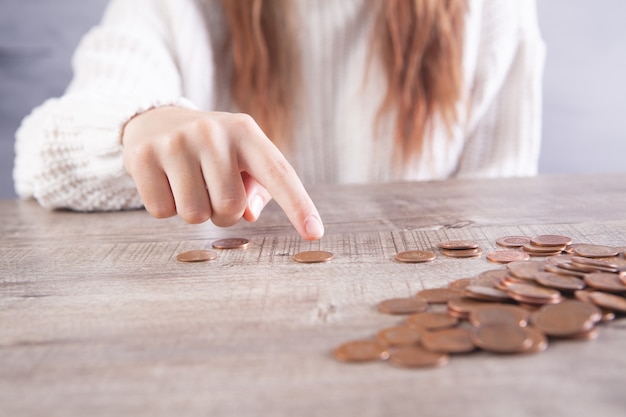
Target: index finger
{"x": 262, "y": 160}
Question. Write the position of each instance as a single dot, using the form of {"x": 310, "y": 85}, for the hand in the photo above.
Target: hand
{"x": 209, "y": 165}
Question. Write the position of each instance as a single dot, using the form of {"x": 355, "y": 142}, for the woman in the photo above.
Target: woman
{"x": 348, "y": 91}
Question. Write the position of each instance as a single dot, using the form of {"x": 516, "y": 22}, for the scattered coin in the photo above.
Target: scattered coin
{"x": 431, "y": 320}
{"x": 533, "y": 294}
{"x": 560, "y": 282}
{"x": 438, "y": 295}
{"x": 551, "y": 240}
{"x": 506, "y": 256}
{"x": 415, "y": 256}
{"x": 502, "y": 337}
{"x": 461, "y": 283}
{"x": 597, "y": 264}
{"x": 403, "y": 305}
{"x": 313, "y": 256}
{"x": 201, "y": 255}
{"x": 609, "y": 301}
{"x": 231, "y": 243}
{"x": 398, "y": 336}
{"x": 417, "y": 357}
{"x": 565, "y": 319}
{"x": 539, "y": 340}
{"x": 458, "y": 244}
{"x": 605, "y": 281}
{"x": 485, "y": 293}
{"x": 462, "y": 253}
{"x": 512, "y": 241}
{"x": 525, "y": 269}
{"x": 544, "y": 250}
{"x": 595, "y": 251}
{"x": 454, "y": 340}
{"x": 361, "y": 351}
{"x": 497, "y": 313}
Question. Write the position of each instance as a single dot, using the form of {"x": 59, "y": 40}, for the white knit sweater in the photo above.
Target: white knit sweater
{"x": 148, "y": 53}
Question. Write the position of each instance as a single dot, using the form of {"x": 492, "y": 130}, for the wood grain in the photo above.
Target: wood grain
{"x": 98, "y": 318}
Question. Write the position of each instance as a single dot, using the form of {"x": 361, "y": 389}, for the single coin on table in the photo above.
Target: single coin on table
{"x": 506, "y": 256}
{"x": 512, "y": 241}
{"x": 551, "y": 240}
{"x": 408, "y": 305}
{"x": 361, "y": 351}
{"x": 458, "y": 244}
{"x": 231, "y": 243}
{"x": 201, "y": 255}
{"x": 502, "y": 337}
{"x": 312, "y": 256}
{"x": 567, "y": 318}
{"x": 417, "y": 357}
{"x": 415, "y": 256}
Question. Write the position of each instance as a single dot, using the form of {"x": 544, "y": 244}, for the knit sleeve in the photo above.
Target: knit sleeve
{"x": 68, "y": 150}
{"x": 503, "y": 131}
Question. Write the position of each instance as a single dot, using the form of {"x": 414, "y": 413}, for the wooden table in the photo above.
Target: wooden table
{"x": 97, "y": 318}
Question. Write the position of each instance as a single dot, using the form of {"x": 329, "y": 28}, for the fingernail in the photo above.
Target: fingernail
{"x": 256, "y": 205}
{"x": 314, "y": 227}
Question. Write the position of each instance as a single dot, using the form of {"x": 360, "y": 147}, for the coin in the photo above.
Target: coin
{"x": 461, "y": 307}
{"x": 506, "y": 256}
{"x": 499, "y": 312}
{"x": 595, "y": 251}
{"x": 231, "y": 243}
{"x": 417, "y": 357}
{"x": 609, "y": 301}
{"x": 531, "y": 248}
{"x": 565, "y": 319}
{"x": 403, "y": 305}
{"x": 525, "y": 269}
{"x": 361, "y": 351}
{"x": 398, "y": 336}
{"x": 431, "y": 320}
{"x": 462, "y": 253}
{"x": 605, "y": 281}
{"x": 512, "y": 241}
{"x": 560, "y": 282}
{"x": 461, "y": 283}
{"x": 455, "y": 340}
{"x": 313, "y": 256}
{"x": 539, "y": 340}
{"x": 415, "y": 256}
{"x": 458, "y": 244}
{"x": 201, "y": 255}
{"x": 562, "y": 271}
{"x": 438, "y": 295}
{"x": 486, "y": 293}
{"x": 551, "y": 240}
{"x": 598, "y": 264}
{"x": 502, "y": 337}
{"x": 533, "y": 294}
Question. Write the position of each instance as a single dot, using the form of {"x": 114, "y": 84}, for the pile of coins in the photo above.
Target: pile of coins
{"x": 514, "y": 310}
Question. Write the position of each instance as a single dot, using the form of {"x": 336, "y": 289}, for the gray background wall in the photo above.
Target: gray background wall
{"x": 584, "y": 87}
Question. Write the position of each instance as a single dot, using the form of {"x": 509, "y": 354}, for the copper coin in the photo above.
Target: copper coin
{"x": 506, "y": 256}
{"x": 431, "y": 320}
{"x": 458, "y": 244}
{"x": 398, "y": 336}
{"x": 560, "y": 282}
{"x": 502, "y": 337}
{"x": 313, "y": 256}
{"x": 566, "y": 319}
{"x": 539, "y": 340}
{"x": 588, "y": 335}
{"x": 598, "y": 264}
{"x": 486, "y": 293}
{"x": 605, "y": 281}
{"x": 595, "y": 251}
{"x": 533, "y": 294}
{"x": 201, "y": 255}
{"x": 461, "y": 283}
{"x": 455, "y": 340}
{"x": 490, "y": 277}
{"x": 438, "y": 295}
{"x": 462, "y": 253}
{"x": 417, "y": 357}
{"x": 415, "y": 256}
{"x": 497, "y": 313}
{"x": 609, "y": 301}
{"x": 557, "y": 259}
{"x": 562, "y": 271}
{"x": 409, "y": 305}
{"x": 530, "y": 248}
{"x": 461, "y": 307}
{"x": 361, "y": 351}
{"x": 231, "y": 243}
{"x": 512, "y": 241}
{"x": 570, "y": 266}
{"x": 551, "y": 240}
{"x": 525, "y": 269}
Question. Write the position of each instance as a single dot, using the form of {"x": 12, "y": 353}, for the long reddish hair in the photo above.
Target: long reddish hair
{"x": 419, "y": 43}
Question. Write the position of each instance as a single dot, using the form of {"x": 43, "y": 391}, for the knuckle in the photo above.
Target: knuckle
{"x": 195, "y": 216}
{"x": 161, "y": 211}
{"x": 244, "y": 123}
{"x": 229, "y": 207}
